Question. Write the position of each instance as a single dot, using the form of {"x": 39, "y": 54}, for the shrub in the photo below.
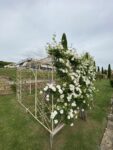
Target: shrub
{"x": 111, "y": 82}
{"x": 74, "y": 93}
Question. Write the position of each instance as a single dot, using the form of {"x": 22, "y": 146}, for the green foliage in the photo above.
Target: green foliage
{"x": 102, "y": 70}
{"x": 100, "y": 76}
{"x": 64, "y": 41}
{"x": 13, "y": 87}
{"x": 8, "y": 72}
{"x": 109, "y": 71}
{"x": 98, "y": 69}
{"x": 4, "y": 63}
{"x": 111, "y": 82}
{"x": 75, "y": 90}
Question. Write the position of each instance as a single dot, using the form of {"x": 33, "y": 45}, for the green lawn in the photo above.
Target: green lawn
{"x": 19, "y": 131}
{"x": 26, "y": 74}
{"x": 8, "y": 72}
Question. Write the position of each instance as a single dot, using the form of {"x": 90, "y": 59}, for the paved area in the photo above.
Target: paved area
{"x": 107, "y": 141}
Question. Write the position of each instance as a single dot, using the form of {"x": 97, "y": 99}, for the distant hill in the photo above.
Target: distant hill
{"x": 4, "y": 63}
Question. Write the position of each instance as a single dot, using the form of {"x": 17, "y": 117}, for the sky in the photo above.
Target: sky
{"x": 27, "y": 25}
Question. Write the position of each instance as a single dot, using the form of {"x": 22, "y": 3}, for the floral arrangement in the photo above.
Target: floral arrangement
{"x": 73, "y": 91}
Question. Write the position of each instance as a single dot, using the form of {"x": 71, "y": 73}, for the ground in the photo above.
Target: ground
{"x": 19, "y": 131}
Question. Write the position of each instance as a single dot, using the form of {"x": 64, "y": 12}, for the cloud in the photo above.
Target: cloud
{"x": 26, "y": 26}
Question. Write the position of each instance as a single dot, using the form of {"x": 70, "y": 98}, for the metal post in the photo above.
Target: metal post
{"x": 36, "y": 93}
{"x": 51, "y": 140}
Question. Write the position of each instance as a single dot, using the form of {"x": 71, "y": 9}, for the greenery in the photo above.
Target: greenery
{"x": 74, "y": 93}
{"x": 111, "y": 82}
{"x": 26, "y": 74}
{"x": 109, "y": 71}
{"x": 98, "y": 69}
{"x": 4, "y": 63}
{"x": 19, "y": 131}
{"x": 102, "y": 70}
{"x": 8, "y": 72}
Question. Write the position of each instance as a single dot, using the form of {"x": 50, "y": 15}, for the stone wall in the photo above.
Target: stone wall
{"x": 107, "y": 140}
{"x": 5, "y": 86}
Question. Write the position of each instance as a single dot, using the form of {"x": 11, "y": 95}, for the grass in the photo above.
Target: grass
{"x": 26, "y": 74}
{"x": 19, "y": 131}
{"x": 8, "y": 72}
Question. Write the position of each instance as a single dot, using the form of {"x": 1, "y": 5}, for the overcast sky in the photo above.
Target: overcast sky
{"x": 27, "y": 25}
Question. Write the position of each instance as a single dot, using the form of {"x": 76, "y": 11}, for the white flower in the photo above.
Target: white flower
{"x": 46, "y": 88}
{"x": 65, "y": 104}
{"x": 72, "y": 58}
{"x": 72, "y": 87}
{"x": 72, "y": 77}
{"x": 69, "y": 98}
{"x": 71, "y": 110}
{"x": 73, "y": 104}
{"x": 82, "y": 110}
{"x": 87, "y": 82}
{"x": 75, "y": 95}
{"x": 64, "y": 84}
{"x": 75, "y": 111}
{"x": 53, "y": 114}
{"x": 58, "y": 108}
{"x": 84, "y": 101}
{"x": 67, "y": 64}
{"x": 71, "y": 115}
{"x": 62, "y": 96}
{"x": 76, "y": 117}
{"x": 41, "y": 92}
{"x": 60, "y": 91}
{"x": 58, "y": 100}
{"x": 72, "y": 124}
{"x": 47, "y": 96}
{"x": 55, "y": 121}
{"x": 61, "y": 111}
{"x": 78, "y": 89}
{"x": 61, "y": 60}
{"x": 58, "y": 87}
{"x": 78, "y": 108}
{"x": 54, "y": 89}
{"x": 68, "y": 117}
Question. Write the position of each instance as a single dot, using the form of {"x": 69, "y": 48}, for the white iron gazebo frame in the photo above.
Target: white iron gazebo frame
{"x": 53, "y": 130}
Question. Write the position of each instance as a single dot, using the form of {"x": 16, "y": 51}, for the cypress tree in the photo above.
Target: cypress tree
{"x": 64, "y": 41}
{"x": 109, "y": 71}
{"x": 102, "y": 71}
{"x": 98, "y": 69}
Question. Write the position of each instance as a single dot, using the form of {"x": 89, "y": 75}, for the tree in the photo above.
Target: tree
{"x": 102, "y": 70}
{"x": 98, "y": 69}
{"x": 109, "y": 71}
{"x": 64, "y": 41}
{"x": 3, "y": 63}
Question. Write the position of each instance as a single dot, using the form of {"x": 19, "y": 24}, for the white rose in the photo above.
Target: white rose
{"x": 68, "y": 117}
{"x": 73, "y": 104}
{"x": 62, "y": 96}
{"x": 65, "y": 104}
{"x": 71, "y": 124}
{"x": 55, "y": 121}
{"x": 46, "y": 88}
{"x": 41, "y": 92}
{"x": 60, "y": 91}
{"x": 61, "y": 111}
